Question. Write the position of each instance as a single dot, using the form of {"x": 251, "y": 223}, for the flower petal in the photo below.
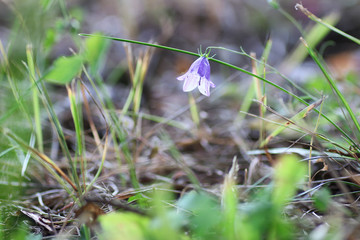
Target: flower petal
{"x": 182, "y": 77}
{"x": 191, "y": 82}
{"x": 204, "y": 86}
{"x": 194, "y": 68}
{"x": 204, "y": 68}
{"x": 198, "y": 75}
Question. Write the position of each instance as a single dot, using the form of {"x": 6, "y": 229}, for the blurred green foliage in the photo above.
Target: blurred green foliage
{"x": 204, "y": 217}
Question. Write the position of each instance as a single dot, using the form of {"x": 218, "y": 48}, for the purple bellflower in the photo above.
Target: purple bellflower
{"x": 198, "y": 75}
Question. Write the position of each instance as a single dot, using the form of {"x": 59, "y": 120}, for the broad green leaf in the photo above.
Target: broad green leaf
{"x": 205, "y": 219}
{"x": 64, "y": 69}
{"x": 96, "y": 49}
{"x": 124, "y": 226}
{"x": 322, "y": 199}
{"x": 288, "y": 173}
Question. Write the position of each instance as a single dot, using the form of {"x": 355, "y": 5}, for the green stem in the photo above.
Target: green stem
{"x": 141, "y": 43}
{"x": 242, "y": 52}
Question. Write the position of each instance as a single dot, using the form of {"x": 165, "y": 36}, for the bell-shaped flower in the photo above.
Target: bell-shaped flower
{"x": 198, "y": 75}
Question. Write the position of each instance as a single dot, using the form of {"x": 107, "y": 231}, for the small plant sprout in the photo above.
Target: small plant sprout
{"x": 198, "y": 75}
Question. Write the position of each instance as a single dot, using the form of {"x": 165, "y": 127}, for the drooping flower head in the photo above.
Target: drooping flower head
{"x": 198, "y": 75}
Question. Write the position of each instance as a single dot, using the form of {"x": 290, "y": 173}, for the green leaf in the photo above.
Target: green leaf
{"x": 50, "y": 38}
{"x": 64, "y": 69}
{"x": 96, "y": 49}
{"x": 288, "y": 173}
{"x": 206, "y": 216}
{"x": 46, "y": 4}
{"x": 322, "y": 199}
{"x": 124, "y": 226}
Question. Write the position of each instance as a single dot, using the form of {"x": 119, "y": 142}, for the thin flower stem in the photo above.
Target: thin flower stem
{"x": 243, "y": 53}
{"x": 141, "y": 43}
{"x": 287, "y": 92}
{"x": 228, "y": 65}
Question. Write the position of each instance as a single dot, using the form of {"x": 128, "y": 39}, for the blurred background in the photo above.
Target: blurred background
{"x": 52, "y": 28}
{"x": 186, "y": 25}
{"x": 182, "y": 24}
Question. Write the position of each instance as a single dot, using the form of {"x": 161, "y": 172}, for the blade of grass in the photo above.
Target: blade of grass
{"x": 334, "y": 87}
{"x": 246, "y": 104}
{"x": 316, "y": 34}
{"x": 298, "y": 128}
{"x": 277, "y": 6}
{"x": 194, "y": 110}
{"x": 28, "y": 154}
{"x": 302, "y": 114}
{"x": 77, "y": 119}
{"x": 56, "y": 123}
{"x": 259, "y": 95}
{"x": 311, "y": 143}
{"x": 42, "y": 93}
{"x": 161, "y": 120}
{"x": 117, "y": 132}
{"x": 144, "y": 65}
{"x": 102, "y": 150}
{"x": 36, "y": 103}
{"x": 174, "y": 152}
{"x": 89, "y": 116}
{"x": 101, "y": 163}
{"x": 138, "y": 84}
{"x": 263, "y": 99}
{"x": 13, "y": 85}
{"x": 42, "y": 156}
{"x": 132, "y": 94}
{"x": 324, "y": 23}
{"x": 229, "y": 200}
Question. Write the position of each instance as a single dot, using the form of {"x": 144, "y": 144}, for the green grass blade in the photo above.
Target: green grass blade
{"x": 56, "y": 123}
{"x": 27, "y": 157}
{"x": 36, "y": 103}
{"x": 324, "y": 23}
{"x": 302, "y": 114}
{"x": 117, "y": 132}
{"x": 333, "y": 85}
{"x": 194, "y": 110}
{"x": 273, "y": 69}
{"x": 43, "y": 159}
{"x": 101, "y": 164}
{"x": 316, "y": 34}
{"x": 288, "y": 173}
{"x": 161, "y": 120}
{"x": 174, "y": 152}
{"x": 76, "y": 111}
